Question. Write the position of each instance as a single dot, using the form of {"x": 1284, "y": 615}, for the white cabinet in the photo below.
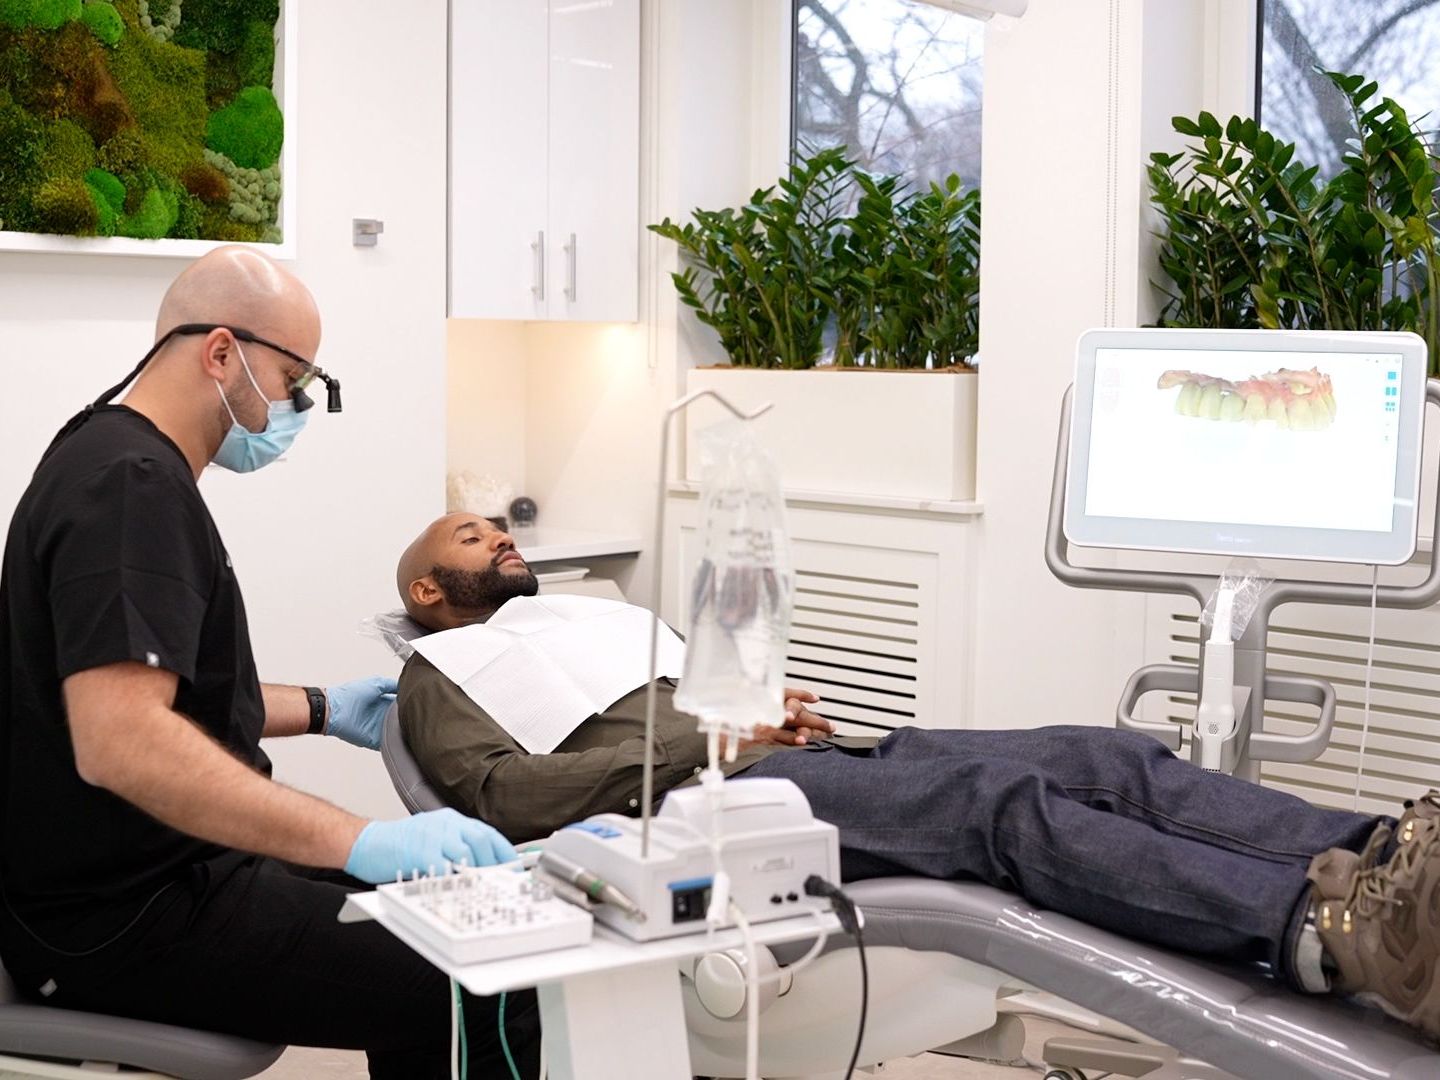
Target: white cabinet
{"x": 545, "y": 159}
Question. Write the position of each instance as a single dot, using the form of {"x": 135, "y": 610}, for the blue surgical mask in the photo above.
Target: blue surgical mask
{"x": 243, "y": 450}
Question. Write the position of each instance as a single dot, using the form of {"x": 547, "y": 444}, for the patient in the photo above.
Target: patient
{"x": 1107, "y": 826}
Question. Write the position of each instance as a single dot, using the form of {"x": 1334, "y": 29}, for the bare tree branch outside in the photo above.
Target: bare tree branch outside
{"x": 896, "y": 82}
{"x": 1393, "y": 42}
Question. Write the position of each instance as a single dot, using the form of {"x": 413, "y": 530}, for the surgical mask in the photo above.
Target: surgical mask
{"x": 243, "y": 450}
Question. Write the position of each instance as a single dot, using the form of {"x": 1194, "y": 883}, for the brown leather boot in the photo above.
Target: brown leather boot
{"x": 1383, "y": 934}
{"x": 1331, "y": 872}
{"x": 1425, "y": 808}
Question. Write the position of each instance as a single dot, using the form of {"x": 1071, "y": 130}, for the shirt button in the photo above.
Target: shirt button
{"x": 634, "y": 803}
{"x": 151, "y": 660}
{"x": 698, "y": 770}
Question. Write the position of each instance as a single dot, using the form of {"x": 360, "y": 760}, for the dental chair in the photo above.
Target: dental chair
{"x": 410, "y": 783}
{"x": 943, "y": 955}
{"x": 42, "y": 1041}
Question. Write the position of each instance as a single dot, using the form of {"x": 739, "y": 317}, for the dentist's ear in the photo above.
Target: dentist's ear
{"x": 216, "y": 353}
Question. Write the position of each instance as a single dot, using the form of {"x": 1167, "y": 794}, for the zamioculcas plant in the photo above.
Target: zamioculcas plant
{"x": 1253, "y": 238}
{"x": 896, "y": 282}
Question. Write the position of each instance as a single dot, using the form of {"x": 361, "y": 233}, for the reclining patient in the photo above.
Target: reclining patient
{"x": 1104, "y": 825}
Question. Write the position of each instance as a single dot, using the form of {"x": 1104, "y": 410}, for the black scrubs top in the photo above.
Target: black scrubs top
{"x": 112, "y": 556}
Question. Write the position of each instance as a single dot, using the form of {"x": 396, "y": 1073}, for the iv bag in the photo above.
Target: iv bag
{"x": 743, "y": 590}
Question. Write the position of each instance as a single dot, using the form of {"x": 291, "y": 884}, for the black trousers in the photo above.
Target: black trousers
{"x": 249, "y": 946}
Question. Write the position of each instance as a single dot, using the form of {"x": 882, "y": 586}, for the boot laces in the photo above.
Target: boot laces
{"x": 1375, "y": 887}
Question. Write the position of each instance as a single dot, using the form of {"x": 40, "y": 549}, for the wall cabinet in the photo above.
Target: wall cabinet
{"x": 545, "y": 159}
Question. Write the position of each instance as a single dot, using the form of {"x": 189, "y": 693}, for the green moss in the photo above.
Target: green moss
{"x": 58, "y": 73}
{"x": 169, "y": 153}
{"x": 65, "y": 205}
{"x": 21, "y": 141}
{"x": 103, "y": 21}
{"x": 189, "y": 221}
{"x": 165, "y": 86}
{"x": 256, "y": 55}
{"x": 106, "y": 218}
{"x": 109, "y": 187}
{"x": 218, "y": 225}
{"x": 104, "y": 120}
{"x": 249, "y": 131}
{"x": 45, "y": 14}
{"x": 220, "y": 24}
{"x": 157, "y": 213}
{"x": 68, "y": 151}
{"x": 222, "y": 79}
{"x": 123, "y": 153}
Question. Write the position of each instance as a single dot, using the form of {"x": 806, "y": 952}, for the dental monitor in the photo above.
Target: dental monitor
{"x": 1265, "y": 443}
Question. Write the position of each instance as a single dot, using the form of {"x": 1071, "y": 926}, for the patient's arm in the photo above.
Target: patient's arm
{"x": 481, "y": 770}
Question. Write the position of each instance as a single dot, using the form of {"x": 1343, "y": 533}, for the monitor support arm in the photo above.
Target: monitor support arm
{"x": 1247, "y": 743}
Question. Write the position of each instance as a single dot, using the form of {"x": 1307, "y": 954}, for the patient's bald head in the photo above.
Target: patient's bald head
{"x": 237, "y": 286}
{"x": 459, "y": 571}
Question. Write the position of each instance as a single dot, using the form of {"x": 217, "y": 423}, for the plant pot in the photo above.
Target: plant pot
{"x": 854, "y": 431}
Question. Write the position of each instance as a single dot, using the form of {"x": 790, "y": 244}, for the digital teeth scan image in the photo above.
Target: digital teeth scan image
{"x": 1297, "y": 400}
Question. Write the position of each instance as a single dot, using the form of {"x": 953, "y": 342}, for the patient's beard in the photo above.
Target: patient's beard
{"x": 482, "y": 591}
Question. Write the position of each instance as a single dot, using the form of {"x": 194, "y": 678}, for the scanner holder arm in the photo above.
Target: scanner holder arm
{"x": 1250, "y": 743}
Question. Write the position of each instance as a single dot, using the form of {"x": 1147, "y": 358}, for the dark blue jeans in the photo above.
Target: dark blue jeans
{"x": 1106, "y": 826}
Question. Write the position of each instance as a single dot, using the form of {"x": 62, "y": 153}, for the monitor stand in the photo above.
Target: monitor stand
{"x": 1248, "y": 743}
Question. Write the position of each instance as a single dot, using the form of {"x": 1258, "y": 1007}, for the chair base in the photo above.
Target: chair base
{"x": 14, "y": 1068}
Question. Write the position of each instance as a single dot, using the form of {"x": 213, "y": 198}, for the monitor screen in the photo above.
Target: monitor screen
{"x": 1264, "y": 443}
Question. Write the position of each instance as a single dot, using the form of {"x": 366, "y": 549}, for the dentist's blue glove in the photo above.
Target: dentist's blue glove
{"x": 422, "y": 843}
{"x": 357, "y": 710}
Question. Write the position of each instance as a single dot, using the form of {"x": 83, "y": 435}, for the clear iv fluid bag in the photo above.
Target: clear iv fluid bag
{"x": 743, "y": 590}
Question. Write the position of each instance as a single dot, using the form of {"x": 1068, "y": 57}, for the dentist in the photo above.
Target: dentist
{"x": 149, "y": 865}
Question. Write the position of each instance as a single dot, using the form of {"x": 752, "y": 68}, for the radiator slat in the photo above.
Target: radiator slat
{"x": 1402, "y": 749}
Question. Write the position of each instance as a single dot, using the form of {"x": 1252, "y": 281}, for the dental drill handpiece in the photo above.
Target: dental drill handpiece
{"x": 593, "y": 886}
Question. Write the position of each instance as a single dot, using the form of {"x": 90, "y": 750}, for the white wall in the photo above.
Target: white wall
{"x": 1077, "y": 95}
{"x": 314, "y": 539}
{"x": 485, "y": 419}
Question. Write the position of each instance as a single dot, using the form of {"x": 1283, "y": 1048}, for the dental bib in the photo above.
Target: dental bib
{"x": 542, "y": 665}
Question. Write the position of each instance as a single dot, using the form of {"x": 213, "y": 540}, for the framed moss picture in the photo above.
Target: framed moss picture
{"x": 150, "y": 127}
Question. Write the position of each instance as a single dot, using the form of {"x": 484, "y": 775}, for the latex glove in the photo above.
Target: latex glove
{"x": 357, "y": 710}
{"x": 422, "y": 843}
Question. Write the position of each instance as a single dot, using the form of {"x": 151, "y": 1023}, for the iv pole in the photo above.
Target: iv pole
{"x": 647, "y": 796}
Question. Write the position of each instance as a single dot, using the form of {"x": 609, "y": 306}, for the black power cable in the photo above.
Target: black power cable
{"x": 852, "y": 922}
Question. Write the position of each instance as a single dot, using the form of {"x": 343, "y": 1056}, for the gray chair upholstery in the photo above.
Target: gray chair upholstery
{"x": 28, "y": 1030}
{"x": 410, "y": 783}
{"x": 1236, "y": 1019}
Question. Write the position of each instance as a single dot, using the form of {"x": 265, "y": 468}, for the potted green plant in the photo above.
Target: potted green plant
{"x": 1253, "y": 237}
{"x": 798, "y": 289}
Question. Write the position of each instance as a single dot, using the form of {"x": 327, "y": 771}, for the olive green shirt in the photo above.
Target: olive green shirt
{"x": 479, "y": 769}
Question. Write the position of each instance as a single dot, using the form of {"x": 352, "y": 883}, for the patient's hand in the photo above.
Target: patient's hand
{"x": 799, "y": 726}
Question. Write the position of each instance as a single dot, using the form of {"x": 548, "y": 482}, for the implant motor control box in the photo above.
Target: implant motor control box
{"x": 771, "y": 843}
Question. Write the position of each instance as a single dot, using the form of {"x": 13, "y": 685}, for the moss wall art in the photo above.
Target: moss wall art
{"x": 140, "y": 118}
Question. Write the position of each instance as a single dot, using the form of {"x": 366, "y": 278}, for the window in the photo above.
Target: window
{"x": 1393, "y": 42}
{"x": 898, "y": 82}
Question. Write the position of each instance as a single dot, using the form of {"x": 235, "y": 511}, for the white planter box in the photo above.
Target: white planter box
{"x": 902, "y": 434}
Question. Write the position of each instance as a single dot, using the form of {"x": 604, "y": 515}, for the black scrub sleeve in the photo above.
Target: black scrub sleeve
{"x": 130, "y": 565}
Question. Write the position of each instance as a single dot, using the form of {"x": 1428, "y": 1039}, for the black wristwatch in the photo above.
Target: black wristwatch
{"x": 316, "y": 697}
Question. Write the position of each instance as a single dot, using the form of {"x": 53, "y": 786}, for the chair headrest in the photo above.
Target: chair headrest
{"x": 410, "y": 783}
{"x": 395, "y": 630}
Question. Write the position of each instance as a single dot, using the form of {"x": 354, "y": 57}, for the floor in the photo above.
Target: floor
{"x": 301, "y": 1063}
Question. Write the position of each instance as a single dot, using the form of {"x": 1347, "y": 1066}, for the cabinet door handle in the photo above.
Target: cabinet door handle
{"x": 571, "y": 261}
{"x": 538, "y": 247}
